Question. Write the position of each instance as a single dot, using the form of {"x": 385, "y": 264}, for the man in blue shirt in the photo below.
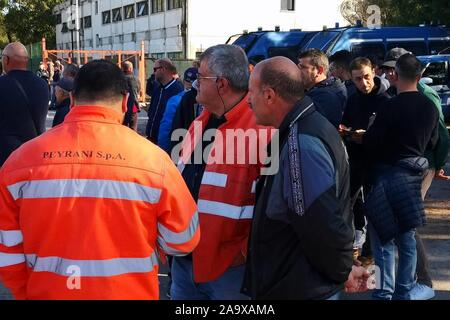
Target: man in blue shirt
{"x": 165, "y": 72}
{"x": 165, "y": 129}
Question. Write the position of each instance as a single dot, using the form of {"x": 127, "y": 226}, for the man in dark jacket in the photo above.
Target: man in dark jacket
{"x": 187, "y": 112}
{"x": 62, "y": 94}
{"x": 173, "y": 104}
{"x": 437, "y": 157}
{"x": 329, "y": 95}
{"x": 405, "y": 126}
{"x": 340, "y": 69}
{"x": 24, "y": 101}
{"x": 361, "y": 109}
{"x": 301, "y": 239}
{"x": 168, "y": 86}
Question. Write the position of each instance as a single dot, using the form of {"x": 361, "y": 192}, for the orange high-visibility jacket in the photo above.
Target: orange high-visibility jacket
{"x": 85, "y": 209}
{"x": 227, "y": 192}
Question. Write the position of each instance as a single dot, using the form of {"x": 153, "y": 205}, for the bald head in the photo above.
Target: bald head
{"x": 127, "y": 67}
{"x": 275, "y": 87}
{"x": 15, "y": 57}
{"x": 283, "y": 76}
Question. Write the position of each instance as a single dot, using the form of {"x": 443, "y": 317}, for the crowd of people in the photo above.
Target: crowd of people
{"x": 90, "y": 208}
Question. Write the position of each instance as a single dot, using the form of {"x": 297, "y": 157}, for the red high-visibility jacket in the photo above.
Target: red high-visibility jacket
{"x": 227, "y": 191}
{"x": 85, "y": 209}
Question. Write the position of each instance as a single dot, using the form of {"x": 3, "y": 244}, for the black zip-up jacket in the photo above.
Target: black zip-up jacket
{"x": 62, "y": 110}
{"x": 360, "y": 111}
{"x": 21, "y": 121}
{"x": 330, "y": 99}
{"x": 295, "y": 255}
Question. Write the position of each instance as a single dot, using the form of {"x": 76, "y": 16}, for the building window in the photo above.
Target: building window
{"x": 142, "y": 8}
{"x": 64, "y": 28}
{"x": 96, "y": 7}
{"x": 106, "y": 15}
{"x": 118, "y": 39}
{"x": 105, "y": 41}
{"x": 117, "y": 15}
{"x": 157, "y": 55}
{"x": 81, "y": 26}
{"x": 129, "y": 11}
{"x": 87, "y": 22}
{"x": 58, "y": 19}
{"x": 157, "y": 6}
{"x": 288, "y": 5}
{"x": 173, "y": 4}
{"x": 175, "y": 55}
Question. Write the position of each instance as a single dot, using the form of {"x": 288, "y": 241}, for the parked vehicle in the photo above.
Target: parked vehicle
{"x": 426, "y": 40}
{"x": 437, "y": 75}
{"x": 261, "y": 45}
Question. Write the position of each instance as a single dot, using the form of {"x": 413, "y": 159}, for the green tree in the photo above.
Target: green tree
{"x": 28, "y": 20}
{"x": 399, "y": 12}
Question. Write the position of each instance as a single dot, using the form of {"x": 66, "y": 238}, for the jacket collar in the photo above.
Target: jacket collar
{"x": 169, "y": 84}
{"x": 94, "y": 113}
{"x": 235, "y": 113}
{"x": 302, "y": 107}
{"x": 64, "y": 103}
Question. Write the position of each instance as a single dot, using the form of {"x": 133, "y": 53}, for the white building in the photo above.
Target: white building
{"x": 183, "y": 28}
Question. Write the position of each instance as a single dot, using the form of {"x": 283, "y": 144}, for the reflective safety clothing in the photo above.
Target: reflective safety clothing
{"x": 227, "y": 191}
{"x": 86, "y": 208}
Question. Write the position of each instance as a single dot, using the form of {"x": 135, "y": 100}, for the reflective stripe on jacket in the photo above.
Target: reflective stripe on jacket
{"x": 86, "y": 208}
{"x": 227, "y": 192}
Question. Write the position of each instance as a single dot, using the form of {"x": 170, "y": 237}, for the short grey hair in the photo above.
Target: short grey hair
{"x": 230, "y": 62}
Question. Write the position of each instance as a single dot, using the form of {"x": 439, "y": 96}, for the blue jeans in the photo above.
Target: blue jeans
{"x": 226, "y": 287}
{"x": 335, "y": 297}
{"x": 384, "y": 255}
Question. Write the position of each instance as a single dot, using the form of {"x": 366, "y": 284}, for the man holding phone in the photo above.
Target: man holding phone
{"x": 360, "y": 112}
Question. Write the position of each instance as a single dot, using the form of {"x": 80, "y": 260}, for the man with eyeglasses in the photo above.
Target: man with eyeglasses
{"x": 224, "y": 189}
{"x": 24, "y": 101}
{"x": 165, "y": 72}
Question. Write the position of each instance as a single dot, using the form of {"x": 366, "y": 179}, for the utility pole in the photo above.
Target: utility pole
{"x": 77, "y": 29}
{"x": 69, "y": 22}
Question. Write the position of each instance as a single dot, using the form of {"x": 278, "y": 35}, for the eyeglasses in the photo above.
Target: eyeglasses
{"x": 156, "y": 69}
{"x": 201, "y": 78}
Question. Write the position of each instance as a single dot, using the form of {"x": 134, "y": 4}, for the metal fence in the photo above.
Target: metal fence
{"x": 35, "y": 53}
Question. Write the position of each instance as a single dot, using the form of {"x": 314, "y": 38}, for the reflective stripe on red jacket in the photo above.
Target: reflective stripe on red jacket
{"x": 86, "y": 208}
{"x": 227, "y": 191}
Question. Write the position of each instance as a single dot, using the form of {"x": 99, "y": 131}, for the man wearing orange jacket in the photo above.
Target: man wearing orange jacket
{"x": 222, "y": 180}
{"x": 86, "y": 208}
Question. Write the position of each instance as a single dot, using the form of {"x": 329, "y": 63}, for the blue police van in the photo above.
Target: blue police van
{"x": 423, "y": 40}
{"x": 437, "y": 75}
{"x": 260, "y": 45}
{"x": 426, "y": 40}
